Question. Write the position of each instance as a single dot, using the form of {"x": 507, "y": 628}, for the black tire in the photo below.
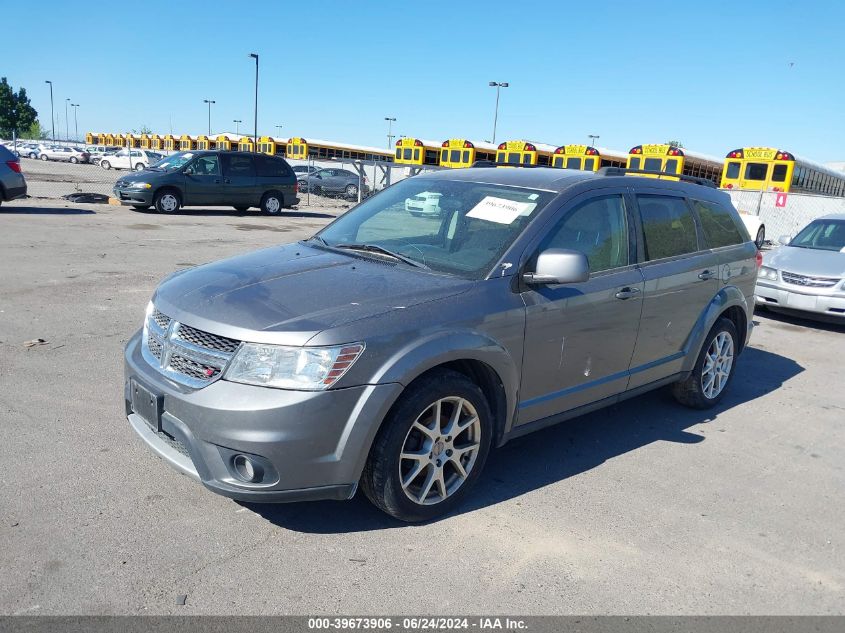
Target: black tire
{"x": 44, "y": 157}
{"x": 105, "y": 164}
{"x": 33, "y": 155}
{"x": 241, "y": 208}
{"x": 380, "y": 480}
{"x": 691, "y": 391}
{"x": 272, "y": 203}
{"x": 140, "y": 166}
{"x": 351, "y": 191}
{"x": 761, "y": 237}
{"x": 164, "y": 201}
{"x": 140, "y": 207}
{"x": 74, "y": 160}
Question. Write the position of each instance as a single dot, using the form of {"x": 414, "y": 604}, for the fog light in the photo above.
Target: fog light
{"x": 246, "y": 469}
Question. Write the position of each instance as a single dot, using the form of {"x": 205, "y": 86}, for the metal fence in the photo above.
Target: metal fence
{"x": 52, "y": 179}
{"x": 785, "y": 213}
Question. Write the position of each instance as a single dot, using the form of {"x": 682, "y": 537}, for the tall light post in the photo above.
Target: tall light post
{"x": 75, "y": 107}
{"x": 497, "y": 85}
{"x": 237, "y": 123}
{"x": 52, "y": 115}
{"x": 390, "y": 121}
{"x": 67, "y": 126}
{"x": 209, "y": 102}
{"x": 279, "y": 128}
{"x": 593, "y": 138}
{"x": 255, "y": 129}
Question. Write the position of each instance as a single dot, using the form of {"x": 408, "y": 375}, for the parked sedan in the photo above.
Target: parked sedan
{"x": 807, "y": 273}
{"x": 333, "y": 181}
{"x": 65, "y": 154}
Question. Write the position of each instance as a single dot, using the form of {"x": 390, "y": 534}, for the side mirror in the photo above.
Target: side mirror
{"x": 784, "y": 239}
{"x": 559, "y": 266}
{"x": 189, "y": 171}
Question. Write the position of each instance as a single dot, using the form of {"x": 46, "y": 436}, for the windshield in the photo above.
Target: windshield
{"x": 824, "y": 235}
{"x": 174, "y": 161}
{"x": 454, "y": 227}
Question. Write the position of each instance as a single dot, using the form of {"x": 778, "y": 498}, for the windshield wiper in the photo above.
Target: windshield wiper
{"x": 375, "y": 248}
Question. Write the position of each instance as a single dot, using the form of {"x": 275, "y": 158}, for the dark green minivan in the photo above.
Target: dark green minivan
{"x": 238, "y": 179}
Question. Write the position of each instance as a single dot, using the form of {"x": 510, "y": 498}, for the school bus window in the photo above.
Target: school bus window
{"x": 779, "y": 173}
{"x": 466, "y": 156}
{"x": 408, "y": 153}
{"x": 558, "y": 162}
{"x": 416, "y": 154}
{"x": 573, "y": 163}
{"x": 733, "y": 170}
{"x": 513, "y": 158}
{"x": 756, "y": 171}
{"x": 652, "y": 164}
{"x": 399, "y": 153}
{"x": 456, "y": 156}
{"x": 589, "y": 164}
{"x": 444, "y": 155}
{"x": 635, "y": 162}
{"x": 526, "y": 159}
{"x": 500, "y": 157}
{"x": 672, "y": 166}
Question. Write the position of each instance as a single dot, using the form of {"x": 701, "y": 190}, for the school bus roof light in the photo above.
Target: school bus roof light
{"x": 674, "y": 151}
{"x": 560, "y": 150}
{"x": 529, "y": 148}
{"x": 737, "y": 153}
{"x": 784, "y": 156}
{"x": 468, "y": 145}
{"x": 592, "y": 151}
{"x": 636, "y": 150}
{"x": 503, "y": 145}
{"x": 444, "y": 144}
{"x": 417, "y": 143}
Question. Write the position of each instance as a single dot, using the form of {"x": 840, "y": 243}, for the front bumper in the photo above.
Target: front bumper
{"x": 785, "y": 297}
{"x": 134, "y": 196}
{"x": 308, "y": 445}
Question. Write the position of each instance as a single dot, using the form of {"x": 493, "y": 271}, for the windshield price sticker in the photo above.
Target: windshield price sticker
{"x": 500, "y": 210}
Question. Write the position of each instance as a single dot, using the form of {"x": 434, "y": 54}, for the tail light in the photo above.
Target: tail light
{"x": 777, "y": 189}
{"x": 502, "y": 145}
{"x": 14, "y": 165}
{"x": 529, "y": 148}
{"x": 444, "y": 144}
{"x": 296, "y": 187}
{"x": 418, "y": 143}
{"x": 468, "y": 145}
{"x": 759, "y": 258}
{"x": 729, "y": 186}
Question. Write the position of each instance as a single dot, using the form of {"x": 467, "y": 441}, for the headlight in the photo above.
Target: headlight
{"x": 766, "y": 272}
{"x": 306, "y": 368}
{"x": 139, "y": 185}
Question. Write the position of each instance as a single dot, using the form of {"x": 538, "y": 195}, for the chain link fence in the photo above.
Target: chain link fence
{"x": 785, "y": 213}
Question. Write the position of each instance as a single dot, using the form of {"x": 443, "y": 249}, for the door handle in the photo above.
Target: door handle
{"x": 706, "y": 274}
{"x": 627, "y": 292}
{"x": 227, "y": 181}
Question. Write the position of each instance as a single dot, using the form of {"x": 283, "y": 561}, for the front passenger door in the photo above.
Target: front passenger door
{"x": 202, "y": 181}
{"x": 579, "y": 337}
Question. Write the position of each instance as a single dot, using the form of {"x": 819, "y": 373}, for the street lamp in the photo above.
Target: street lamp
{"x": 279, "y": 128}
{"x": 498, "y": 85}
{"x": 209, "y": 102}
{"x": 75, "y": 107}
{"x": 390, "y": 122}
{"x": 67, "y": 127}
{"x": 52, "y": 115}
{"x": 237, "y": 123}
{"x": 255, "y": 129}
{"x": 593, "y": 138}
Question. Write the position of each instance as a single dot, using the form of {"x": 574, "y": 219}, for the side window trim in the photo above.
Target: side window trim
{"x": 699, "y": 237}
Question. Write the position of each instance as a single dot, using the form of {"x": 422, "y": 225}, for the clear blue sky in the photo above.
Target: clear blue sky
{"x": 714, "y": 75}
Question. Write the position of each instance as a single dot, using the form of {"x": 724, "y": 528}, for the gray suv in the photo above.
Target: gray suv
{"x": 392, "y": 352}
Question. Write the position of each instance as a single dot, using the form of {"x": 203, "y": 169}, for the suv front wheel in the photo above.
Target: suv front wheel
{"x": 167, "y": 201}
{"x": 713, "y": 370}
{"x": 272, "y": 203}
{"x": 431, "y": 448}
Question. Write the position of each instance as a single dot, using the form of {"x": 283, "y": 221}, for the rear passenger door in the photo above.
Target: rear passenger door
{"x": 239, "y": 180}
{"x": 274, "y": 174}
{"x": 579, "y": 337}
{"x": 681, "y": 278}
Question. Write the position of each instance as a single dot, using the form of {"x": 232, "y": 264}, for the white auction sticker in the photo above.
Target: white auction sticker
{"x": 500, "y": 210}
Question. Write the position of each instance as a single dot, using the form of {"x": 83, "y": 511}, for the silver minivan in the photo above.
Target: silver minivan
{"x": 392, "y": 351}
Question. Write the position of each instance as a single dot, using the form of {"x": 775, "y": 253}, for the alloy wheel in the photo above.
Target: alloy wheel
{"x": 717, "y": 365}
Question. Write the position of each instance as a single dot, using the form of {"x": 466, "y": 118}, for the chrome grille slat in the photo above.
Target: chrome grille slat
{"x": 807, "y": 281}
{"x": 184, "y": 353}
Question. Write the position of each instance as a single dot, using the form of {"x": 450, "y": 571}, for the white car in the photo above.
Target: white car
{"x": 755, "y": 226}
{"x": 140, "y": 159}
{"x": 65, "y": 154}
{"x": 424, "y": 203}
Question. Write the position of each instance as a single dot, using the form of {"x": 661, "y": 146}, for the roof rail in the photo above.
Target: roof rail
{"x": 622, "y": 171}
{"x": 490, "y": 163}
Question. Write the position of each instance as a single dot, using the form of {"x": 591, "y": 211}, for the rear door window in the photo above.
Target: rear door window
{"x": 756, "y": 171}
{"x": 269, "y": 167}
{"x": 238, "y": 166}
{"x": 779, "y": 173}
{"x": 718, "y": 224}
{"x": 653, "y": 164}
{"x": 573, "y": 163}
{"x": 668, "y": 226}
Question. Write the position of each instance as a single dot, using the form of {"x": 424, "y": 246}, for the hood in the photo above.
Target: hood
{"x": 806, "y": 261}
{"x": 288, "y": 294}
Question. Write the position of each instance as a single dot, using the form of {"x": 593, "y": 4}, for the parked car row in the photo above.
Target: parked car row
{"x": 331, "y": 181}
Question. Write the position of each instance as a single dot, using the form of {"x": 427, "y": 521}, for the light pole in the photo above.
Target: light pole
{"x": 390, "y": 121}
{"x": 237, "y": 123}
{"x": 67, "y": 126}
{"x": 52, "y": 115}
{"x": 209, "y": 102}
{"x": 498, "y": 85}
{"x": 75, "y": 107}
{"x": 255, "y": 129}
{"x": 593, "y": 138}
{"x": 279, "y": 128}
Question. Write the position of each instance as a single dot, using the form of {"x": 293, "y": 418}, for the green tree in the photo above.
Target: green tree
{"x": 35, "y": 132}
{"x": 142, "y": 130}
{"x": 16, "y": 113}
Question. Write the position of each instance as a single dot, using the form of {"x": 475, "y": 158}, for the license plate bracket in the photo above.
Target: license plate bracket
{"x": 147, "y": 404}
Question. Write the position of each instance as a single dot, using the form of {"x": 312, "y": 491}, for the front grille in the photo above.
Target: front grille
{"x": 808, "y": 282}
{"x": 204, "y": 339}
{"x": 183, "y": 353}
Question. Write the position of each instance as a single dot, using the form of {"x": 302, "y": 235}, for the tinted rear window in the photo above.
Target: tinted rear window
{"x": 733, "y": 170}
{"x": 235, "y": 165}
{"x": 756, "y": 171}
{"x": 269, "y": 167}
{"x": 573, "y": 163}
{"x": 718, "y": 225}
{"x": 668, "y": 226}
{"x": 779, "y": 173}
{"x": 653, "y": 164}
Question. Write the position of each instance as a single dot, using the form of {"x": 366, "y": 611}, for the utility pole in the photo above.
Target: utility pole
{"x": 390, "y": 122}
{"x": 255, "y": 129}
{"x": 497, "y": 85}
{"x": 209, "y": 102}
{"x": 237, "y": 123}
{"x": 593, "y": 138}
{"x": 75, "y": 107}
{"x": 52, "y": 115}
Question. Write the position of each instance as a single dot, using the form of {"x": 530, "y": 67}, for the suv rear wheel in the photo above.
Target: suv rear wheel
{"x": 713, "y": 370}
{"x": 167, "y": 201}
{"x": 272, "y": 203}
{"x": 431, "y": 448}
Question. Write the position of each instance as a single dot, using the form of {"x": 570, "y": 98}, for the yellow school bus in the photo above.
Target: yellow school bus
{"x": 671, "y": 159}
{"x": 92, "y": 138}
{"x": 226, "y": 142}
{"x": 460, "y": 152}
{"x": 524, "y": 153}
{"x": 587, "y": 158}
{"x": 416, "y": 151}
{"x": 133, "y": 140}
{"x": 245, "y": 144}
{"x": 203, "y": 142}
{"x": 145, "y": 141}
{"x": 156, "y": 142}
{"x": 187, "y": 142}
{"x": 171, "y": 143}
{"x": 770, "y": 169}
{"x": 299, "y": 148}
{"x": 272, "y": 146}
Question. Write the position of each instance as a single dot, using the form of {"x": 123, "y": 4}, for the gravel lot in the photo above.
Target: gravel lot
{"x": 642, "y": 508}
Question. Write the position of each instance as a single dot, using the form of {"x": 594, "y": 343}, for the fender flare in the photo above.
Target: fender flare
{"x": 727, "y": 297}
